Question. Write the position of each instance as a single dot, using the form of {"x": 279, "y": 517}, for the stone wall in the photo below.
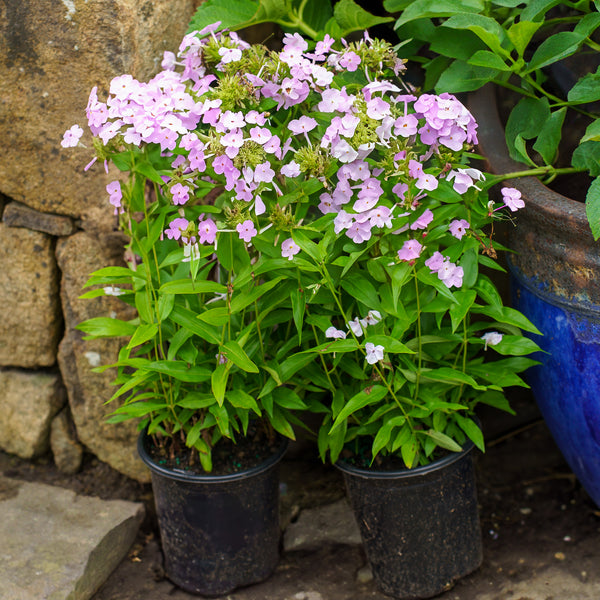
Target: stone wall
{"x": 56, "y": 225}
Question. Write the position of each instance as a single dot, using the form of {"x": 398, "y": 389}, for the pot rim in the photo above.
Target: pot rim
{"x": 421, "y": 471}
{"x": 207, "y": 478}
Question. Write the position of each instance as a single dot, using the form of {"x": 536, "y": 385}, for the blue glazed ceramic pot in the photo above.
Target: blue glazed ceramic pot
{"x": 555, "y": 280}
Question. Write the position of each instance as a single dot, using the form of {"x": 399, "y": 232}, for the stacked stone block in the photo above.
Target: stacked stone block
{"x": 56, "y": 224}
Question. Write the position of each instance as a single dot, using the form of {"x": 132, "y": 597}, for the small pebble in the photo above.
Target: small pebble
{"x": 525, "y": 511}
{"x": 364, "y": 575}
{"x": 568, "y": 538}
{"x": 559, "y": 556}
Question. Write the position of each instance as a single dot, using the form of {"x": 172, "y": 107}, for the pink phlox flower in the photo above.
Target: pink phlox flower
{"x": 373, "y": 317}
{"x": 259, "y": 206}
{"x": 374, "y": 353}
{"x": 293, "y": 91}
{"x": 260, "y": 135}
{"x": 229, "y": 55}
{"x": 244, "y": 190}
{"x": 302, "y": 125}
{"x": 381, "y": 216}
{"x": 169, "y": 60}
{"x": 450, "y": 273}
{"x": 233, "y": 139}
{"x": 342, "y": 221}
{"x": 400, "y": 190}
{"x": 342, "y": 193}
{"x": 359, "y": 232}
{"x": 109, "y": 130}
{"x": 423, "y": 220}
{"x": 384, "y": 131}
{"x": 415, "y": 169}
{"x": 221, "y": 163}
{"x": 427, "y": 182}
{"x": 454, "y": 139}
{"x": 291, "y": 169}
{"x": 72, "y": 136}
{"x": 264, "y": 173}
{"x": 289, "y": 248}
{"x": 253, "y": 117}
{"x": 357, "y": 170}
{"x": 122, "y": 85}
{"x": 411, "y": 250}
{"x": 323, "y": 47}
{"x": 176, "y": 228}
{"x": 350, "y": 61}
{"x": 435, "y": 261}
{"x": 356, "y": 327}
{"x": 335, "y": 100}
{"x": 180, "y": 193}
{"x": 406, "y": 126}
{"x": 377, "y": 108}
{"x": 273, "y": 146}
{"x": 115, "y": 195}
{"x": 326, "y": 204}
{"x": 512, "y": 198}
{"x": 246, "y": 230}
{"x": 464, "y": 179}
{"x": 458, "y": 228}
{"x": 428, "y": 135}
{"x": 296, "y": 41}
{"x": 343, "y": 151}
{"x": 197, "y": 159}
{"x": 207, "y": 230}
{"x": 336, "y": 334}
{"x": 322, "y": 77}
{"x": 232, "y": 120}
{"x": 491, "y": 338}
{"x": 379, "y": 86}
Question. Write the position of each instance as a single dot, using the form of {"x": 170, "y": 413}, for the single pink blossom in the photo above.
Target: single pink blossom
{"x": 512, "y": 198}
{"x": 491, "y": 338}
{"x": 180, "y": 193}
{"x": 374, "y": 353}
{"x": 458, "y": 228}
{"x": 246, "y": 230}
{"x": 411, "y": 250}
{"x": 336, "y": 334}
{"x": 289, "y": 248}
{"x": 71, "y": 137}
{"x": 423, "y": 220}
{"x": 207, "y": 230}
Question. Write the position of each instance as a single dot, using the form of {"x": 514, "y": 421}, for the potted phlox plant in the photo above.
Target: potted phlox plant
{"x": 306, "y": 235}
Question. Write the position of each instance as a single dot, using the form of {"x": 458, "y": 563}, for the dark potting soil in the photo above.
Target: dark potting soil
{"x": 227, "y": 456}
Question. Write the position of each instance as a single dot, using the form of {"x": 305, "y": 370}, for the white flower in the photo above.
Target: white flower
{"x": 356, "y": 327}
{"x": 374, "y": 353}
{"x": 111, "y": 290}
{"x": 334, "y": 333}
{"x": 491, "y": 338}
{"x": 373, "y": 317}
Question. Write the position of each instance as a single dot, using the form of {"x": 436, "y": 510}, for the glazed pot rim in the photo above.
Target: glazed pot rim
{"x": 181, "y": 475}
{"x": 421, "y": 471}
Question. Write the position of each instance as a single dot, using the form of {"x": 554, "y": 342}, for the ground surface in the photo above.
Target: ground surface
{"x": 540, "y": 529}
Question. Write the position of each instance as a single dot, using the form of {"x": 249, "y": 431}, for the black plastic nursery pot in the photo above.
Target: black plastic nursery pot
{"x": 420, "y": 527}
{"x": 218, "y": 532}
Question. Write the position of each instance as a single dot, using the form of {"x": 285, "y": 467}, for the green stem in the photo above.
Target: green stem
{"x": 419, "y": 349}
{"x": 538, "y": 171}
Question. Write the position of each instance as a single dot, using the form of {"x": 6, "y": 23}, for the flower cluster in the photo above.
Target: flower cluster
{"x": 303, "y": 186}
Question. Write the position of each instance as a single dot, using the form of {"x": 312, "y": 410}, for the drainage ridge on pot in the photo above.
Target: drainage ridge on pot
{"x": 420, "y": 527}
{"x": 218, "y": 532}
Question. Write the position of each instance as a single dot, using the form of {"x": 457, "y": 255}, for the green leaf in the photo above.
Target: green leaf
{"x": 587, "y": 89}
{"x": 215, "y": 316}
{"x": 298, "y": 306}
{"x": 550, "y": 136}
{"x": 592, "y": 132}
{"x": 218, "y": 383}
{"x": 520, "y": 34}
{"x": 235, "y": 353}
{"x": 462, "y": 77}
{"x": 187, "y": 319}
{"x": 307, "y": 245}
{"x": 196, "y": 401}
{"x": 472, "y": 430}
{"x": 316, "y": 13}
{"x": 385, "y": 432}
{"x": 420, "y": 9}
{"x": 587, "y": 156}
{"x": 347, "y": 345}
{"x": 485, "y": 58}
{"x": 281, "y": 424}
{"x": 448, "y": 375}
{"x": 351, "y": 17}
{"x": 142, "y": 334}
{"x": 444, "y": 441}
{"x": 143, "y": 306}
{"x": 516, "y": 345}
{"x": 233, "y": 14}
{"x": 166, "y": 302}
{"x": 588, "y": 24}
{"x": 179, "y": 370}
{"x": 525, "y": 121}
{"x": 106, "y": 327}
{"x": 487, "y": 29}
{"x": 534, "y": 9}
{"x": 242, "y": 299}
{"x": 187, "y": 286}
{"x": 592, "y": 207}
{"x": 287, "y": 398}
{"x": 363, "y": 398}
{"x": 458, "y": 311}
{"x": 391, "y": 345}
{"x": 555, "y": 48}
{"x": 241, "y": 399}
{"x": 360, "y": 288}
{"x": 510, "y": 316}
{"x": 409, "y": 451}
